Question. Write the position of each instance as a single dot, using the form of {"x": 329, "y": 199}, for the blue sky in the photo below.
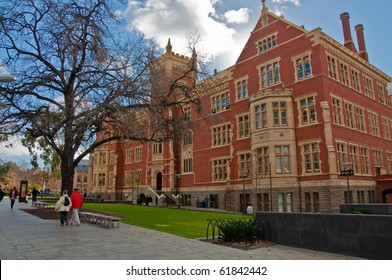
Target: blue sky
{"x": 225, "y": 25}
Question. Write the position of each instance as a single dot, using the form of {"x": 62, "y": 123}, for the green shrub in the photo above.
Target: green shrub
{"x": 237, "y": 230}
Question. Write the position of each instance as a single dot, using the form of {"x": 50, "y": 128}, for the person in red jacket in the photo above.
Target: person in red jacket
{"x": 77, "y": 204}
{"x": 13, "y": 195}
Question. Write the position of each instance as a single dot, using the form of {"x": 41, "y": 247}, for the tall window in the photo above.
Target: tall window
{"x": 350, "y": 115}
{"x": 368, "y": 85}
{"x": 128, "y": 156}
{"x": 360, "y": 113}
{"x": 101, "y": 179}
{"x": 138, "y": 154}
{"x": 220, "y": 102}
{"x": 285, "y": 202}
{"x": 112, "y": 180}
{"x": 242, "y": 89}
{"x": 365, "y": 160}
{"x": 261, "y": 116}
{"x": 303, "y": 68}
{"x": 361, "y": 197}
{"x": 187, "y": 112}
{"x": 332, "y": 67}
{"x": 386, "y": 127}
{"x": 138, "y": 177}
{"x": 129, "y": 178}
{"x": 381, "y": 93}
{"x": 112, "y": 158}
{"x": 282, "y": 159}
{"x": 264, "y": 20}
{"x": 221, "y": 135}
{"x": 342, "y": 152}
{"x": 245, "y": 164}
{"x": 219, "y": 169}
{"x": 337, "y": 110}
{"x": 279, "y": 110}
{"x": 389, "y": 162}
{"x": 157, "y": 148}
{"x": 187, "y": 165}
{"x": 267, "y": 43}
{"x": 378, "y": 158}
{"x": 344, "y": 74}
{"x": 308, "y": 111}
{"x": 262, "y": 155}
{"x": 243, "y": 126}
{"x": 372, "y": 196}
{"x": 270, "y": 75}
{"x": 312, "y": 202}
{"x": 316, "y": 202}
{"x": 354, "y": 155}
{"x": 373, "y": 124}
{"x": 266, "y": 202}
{"x": 187, "y": 139}
{"x": 101, "y": 158}
{"x": 312, "y": 157}
{"x": 355, "y": 80}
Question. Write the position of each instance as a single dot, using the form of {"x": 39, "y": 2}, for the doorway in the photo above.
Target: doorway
{"x": 159, "y": 181}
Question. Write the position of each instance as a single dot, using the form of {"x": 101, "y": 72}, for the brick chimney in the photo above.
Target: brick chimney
{"x": 361, "y": 42}
{"x": 348, "y": 41}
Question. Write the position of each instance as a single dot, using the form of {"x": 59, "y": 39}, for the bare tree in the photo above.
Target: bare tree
{"x": 78, "y": 76}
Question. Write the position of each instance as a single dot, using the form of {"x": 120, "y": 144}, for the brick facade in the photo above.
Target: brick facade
{"x": 285, "y": 120}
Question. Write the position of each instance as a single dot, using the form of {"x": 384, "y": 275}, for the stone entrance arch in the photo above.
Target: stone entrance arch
{"x": 159, "y": 181}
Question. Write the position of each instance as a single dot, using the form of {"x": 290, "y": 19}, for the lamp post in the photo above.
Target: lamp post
{"x": 347, "y": 170}
{"x": 270, "y": 182}
{"x": 243, "y": 176}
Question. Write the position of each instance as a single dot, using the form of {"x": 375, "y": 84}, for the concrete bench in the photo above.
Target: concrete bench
{"x": 100, "y": 219}
{"x": 40, "y": 204}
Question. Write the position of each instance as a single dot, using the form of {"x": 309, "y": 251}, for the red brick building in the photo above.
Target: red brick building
{"x": 301, "y": 122}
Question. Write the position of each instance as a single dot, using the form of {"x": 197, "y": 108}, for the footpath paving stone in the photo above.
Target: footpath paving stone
{"x": 26, "y": 237}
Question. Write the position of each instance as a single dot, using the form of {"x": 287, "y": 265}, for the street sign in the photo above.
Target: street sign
{"x": 348, "y": 172}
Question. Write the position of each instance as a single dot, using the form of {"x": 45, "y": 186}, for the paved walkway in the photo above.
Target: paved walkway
{"x": 26, "y": 237}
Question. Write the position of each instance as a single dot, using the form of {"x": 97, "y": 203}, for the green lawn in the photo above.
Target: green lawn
{"x": 187, "y": 223}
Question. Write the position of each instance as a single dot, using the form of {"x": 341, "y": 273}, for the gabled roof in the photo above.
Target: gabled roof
{"x": 250, "y": 48}
{"x": 254, "y": 37}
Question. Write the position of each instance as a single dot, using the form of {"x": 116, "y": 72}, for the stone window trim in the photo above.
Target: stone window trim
{"x": 267, "y": 43}
{"x": 301, "y": 60}
{"x": 220, "y": 102}
{"x": 311, "y": 113}
{"x": 301, "y": 146}
{"x": 274, "y": 79}
{"x": 242, "y": 88}
{"x": 332, "y": 67}
{"x": 243, "y": 126}
{"x": 221, "y": 135}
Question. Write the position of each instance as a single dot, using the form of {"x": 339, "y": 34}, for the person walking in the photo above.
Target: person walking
{"x": 77, "y": 204}
{"x": 63, "y": 205}
{"x": 34, "y": 194}
{"x": 1, "y": 194}
{"x": 13, "y": 195}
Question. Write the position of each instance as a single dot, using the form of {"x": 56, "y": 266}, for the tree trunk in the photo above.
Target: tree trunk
{"x": 67, "y": 173}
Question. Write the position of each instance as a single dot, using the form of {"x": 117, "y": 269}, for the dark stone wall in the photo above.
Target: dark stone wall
{"x": 378, "y": 209}
{"x": 364, "y": 236}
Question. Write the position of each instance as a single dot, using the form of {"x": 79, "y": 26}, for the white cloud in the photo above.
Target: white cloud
{"x": 294, "y": 2}
{"x": 14, "y": 151}
{"x": 175, "y": 19}
{"x": 280, "y": 7}
{"x": 5, "y": 75}
{"x": 239, "y": 16}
